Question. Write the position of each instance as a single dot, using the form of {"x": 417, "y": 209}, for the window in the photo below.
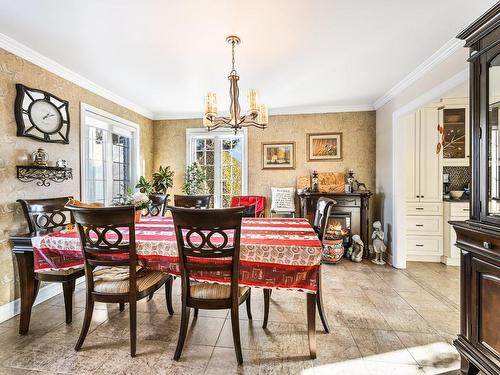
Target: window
{"x": 223, "y": 156}
{"x": 109, "y": 155}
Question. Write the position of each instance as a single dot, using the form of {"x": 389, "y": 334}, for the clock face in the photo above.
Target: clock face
{"x": 41, "y": 116}
{"x": 45, "y": 116}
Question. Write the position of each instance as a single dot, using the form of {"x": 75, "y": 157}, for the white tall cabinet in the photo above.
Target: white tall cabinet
{"x": 424, "y": 182}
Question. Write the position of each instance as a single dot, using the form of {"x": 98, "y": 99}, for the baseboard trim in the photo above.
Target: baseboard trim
{"x": 11, "y": 309}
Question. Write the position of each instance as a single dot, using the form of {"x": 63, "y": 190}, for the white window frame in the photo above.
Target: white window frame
{"x": 116, "y": 124}
{"x": 218, "y": 134}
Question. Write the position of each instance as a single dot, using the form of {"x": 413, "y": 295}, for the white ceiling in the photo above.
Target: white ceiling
{"x": 164, "y": 56}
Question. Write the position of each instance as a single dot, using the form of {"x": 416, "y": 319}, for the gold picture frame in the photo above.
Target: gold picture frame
{"x": 324, "y": 146}
{"x": 278, "y": 155}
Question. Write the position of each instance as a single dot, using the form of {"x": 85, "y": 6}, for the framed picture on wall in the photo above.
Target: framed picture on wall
{"x": 278, "y": 155}
{"x": 324, "y": 146}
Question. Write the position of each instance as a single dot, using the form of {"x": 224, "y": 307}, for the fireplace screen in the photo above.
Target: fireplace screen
{"x": 339, "y": 224}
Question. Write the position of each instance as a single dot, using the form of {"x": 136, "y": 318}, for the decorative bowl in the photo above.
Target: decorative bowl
{"x": 456, "y": 194}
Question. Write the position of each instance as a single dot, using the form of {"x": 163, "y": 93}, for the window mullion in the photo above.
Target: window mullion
{"x": 108, "y": 162}
{"x": 217, "y": 172}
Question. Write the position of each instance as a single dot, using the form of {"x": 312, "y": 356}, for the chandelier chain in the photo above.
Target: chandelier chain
{"x": 233, "y": 70}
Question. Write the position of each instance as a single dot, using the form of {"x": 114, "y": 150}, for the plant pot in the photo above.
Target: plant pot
{"x": 138, "y": 215}
{"x": 333, "y": 250}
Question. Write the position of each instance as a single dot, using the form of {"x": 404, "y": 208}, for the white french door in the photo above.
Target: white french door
{"x": 109, "y": 156}
{"x": 223, "y": 156}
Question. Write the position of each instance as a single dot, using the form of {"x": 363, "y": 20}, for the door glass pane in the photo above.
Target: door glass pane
{"x": 454, "y": 133}
{"x": 494, "y": 138}
{"x": 221, "y": 158}
{"x": 121, "y": 164}
{"x": 96, "y": 165}
{"x": 231, "y": 169}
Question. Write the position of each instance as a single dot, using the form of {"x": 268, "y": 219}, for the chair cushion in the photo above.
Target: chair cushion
{"x": 106, "y": 273}
{"x": 213, "y": 291}
{"x": 122, "y": 286}
{"x": 59, "y": 272}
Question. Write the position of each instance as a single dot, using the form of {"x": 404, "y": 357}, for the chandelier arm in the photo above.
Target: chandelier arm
{"x": 256, "y": 124}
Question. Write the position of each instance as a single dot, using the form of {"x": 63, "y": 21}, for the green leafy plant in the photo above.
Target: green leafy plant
{"x": 144, "y": 185}
{"x": 195, "y": 180}
{"x": 163, "y": 179}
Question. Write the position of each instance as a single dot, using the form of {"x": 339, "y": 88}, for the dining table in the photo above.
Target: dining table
{"x": 275, "y": 253}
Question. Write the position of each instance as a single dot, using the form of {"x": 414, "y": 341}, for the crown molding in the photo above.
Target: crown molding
{"x": 23, "y": 51}
{"x": 436, "y": 58}
{"x": 299, "y": 110}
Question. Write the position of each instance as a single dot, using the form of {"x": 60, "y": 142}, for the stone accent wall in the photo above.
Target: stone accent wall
{"x": 15, "y": 150}
{"x": 358, "y": 129}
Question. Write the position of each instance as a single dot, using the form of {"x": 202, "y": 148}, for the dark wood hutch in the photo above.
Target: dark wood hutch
{"x": 479, "y": 237}
{"x": 353, "y": 204}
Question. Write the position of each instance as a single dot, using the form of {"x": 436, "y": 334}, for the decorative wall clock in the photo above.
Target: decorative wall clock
{"x": 41, "y": 116}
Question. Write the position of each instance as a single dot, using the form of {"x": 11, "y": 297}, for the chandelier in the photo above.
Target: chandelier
{"x": 256, "y": 115}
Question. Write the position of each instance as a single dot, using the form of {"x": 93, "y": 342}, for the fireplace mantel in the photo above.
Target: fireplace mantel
{"x": 356, "y": 203}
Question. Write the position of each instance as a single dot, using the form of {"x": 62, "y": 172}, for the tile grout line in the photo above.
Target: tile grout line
{"x": 431, "y": 290}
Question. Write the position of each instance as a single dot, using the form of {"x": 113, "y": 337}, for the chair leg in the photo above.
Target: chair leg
{"x": 195, "y": 313}
{"x": 89, "y": 309}
{"x": 168, "y": 295}
{"x": 249, "y": 309}
{"x": 182, "y": 331}
{"x": 68, "y": 289}
{"x": 267, "y": 298}
{"x": 133, "y": 327}
{"x": 319, "y": 303}
{"x": 121, "y": 306}
{"x": 235, "y": 324}
{"x": 151, "y": 296}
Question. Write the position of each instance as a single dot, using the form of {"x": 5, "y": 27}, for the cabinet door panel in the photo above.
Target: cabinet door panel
{"x": 485, "y": 296}
{"x": 455, "y": 120}
{"x": 431, "y": 175}
{"x": 412, "y": 134}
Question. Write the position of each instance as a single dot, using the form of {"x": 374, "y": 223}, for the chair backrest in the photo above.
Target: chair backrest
{"x": 192, "y": 201}
{"x": 46, "y": 214}
{"x": 107, "y": 237}
{"x": 210, "y": 234}
{"x": 254, "y": 204}
{"x": 283, "y": 199}
{"x": 323, "y": 209}
{"x": 157, "y": 206}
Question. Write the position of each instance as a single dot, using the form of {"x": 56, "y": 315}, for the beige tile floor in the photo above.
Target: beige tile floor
{"x": 383, "y": 321}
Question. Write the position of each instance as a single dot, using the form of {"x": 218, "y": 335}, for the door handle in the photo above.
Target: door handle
{"x": 419, "y": 208}
{"x": 419, "y": 245}
{"x": 419, "y": 225}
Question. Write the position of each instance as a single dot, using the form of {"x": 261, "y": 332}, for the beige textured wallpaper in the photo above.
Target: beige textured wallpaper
{"x": 14, "y": 150}
{"x": 358, "y": 130}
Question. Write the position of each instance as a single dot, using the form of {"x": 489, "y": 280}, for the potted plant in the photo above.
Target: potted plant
{"x": 195, "y": 180}
{"x": 144, "y": 185}
{"x": 130, "y": 198}
{"x": 163, "y": 180}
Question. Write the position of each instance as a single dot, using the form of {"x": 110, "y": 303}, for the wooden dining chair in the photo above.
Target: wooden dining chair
{"x": 323, "y": 209}
{"x": 157, "y": 206}
{"x": 107, "y": 237}
{"x": 203, "y": 238}
{"x": 48, "y": 215}
{"x": 192, "y": 201}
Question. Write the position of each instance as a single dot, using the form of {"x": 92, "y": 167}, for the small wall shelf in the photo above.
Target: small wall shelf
{"x": 43, "y": 174}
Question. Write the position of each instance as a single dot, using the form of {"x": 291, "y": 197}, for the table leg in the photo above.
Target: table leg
{"x": 267, "y": 300}
{"x": 29, "y": 288}
{"x": 311, "y": 324}
{"x": 319, "y": 300}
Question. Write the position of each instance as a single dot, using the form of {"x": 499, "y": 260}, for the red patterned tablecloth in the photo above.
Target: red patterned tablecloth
{"x": 274, "y": 253}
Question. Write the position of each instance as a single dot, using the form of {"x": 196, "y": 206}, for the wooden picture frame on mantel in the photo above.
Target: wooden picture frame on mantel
{"x": 278, "y": 155}
{"x": 324, "y": 146}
